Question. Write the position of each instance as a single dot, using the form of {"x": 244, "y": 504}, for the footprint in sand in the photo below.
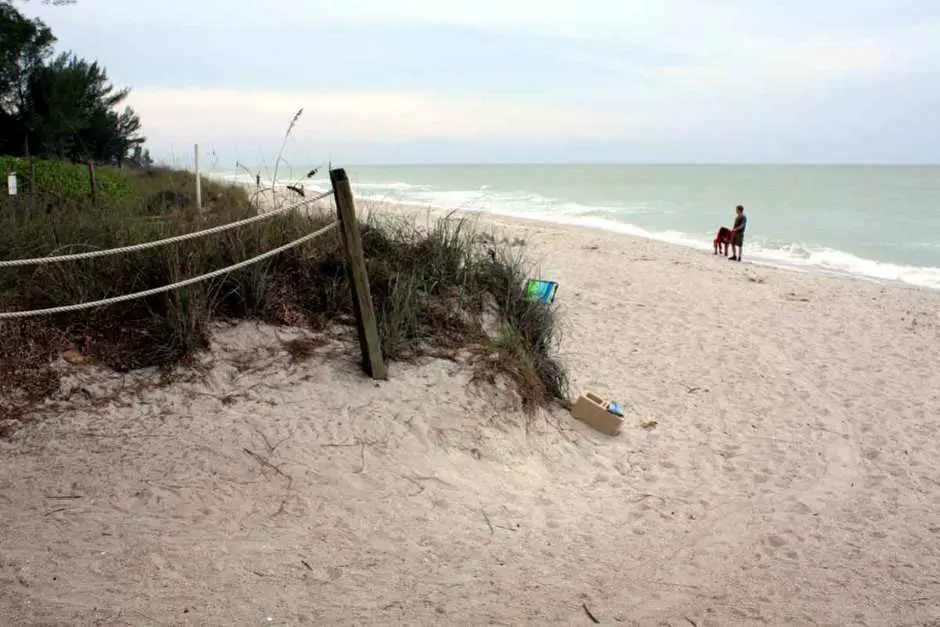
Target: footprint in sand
{"x": 773, "y": 545}
{"x": 798, "y": 507}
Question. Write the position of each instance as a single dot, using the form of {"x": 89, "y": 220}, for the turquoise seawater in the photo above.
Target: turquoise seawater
{"x": 880, "y": 222}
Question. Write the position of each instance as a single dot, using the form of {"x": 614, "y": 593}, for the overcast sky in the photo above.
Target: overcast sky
{"x": 425, "y": 81}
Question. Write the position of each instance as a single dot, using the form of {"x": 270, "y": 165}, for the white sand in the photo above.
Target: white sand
{"x": 792, "y": 478}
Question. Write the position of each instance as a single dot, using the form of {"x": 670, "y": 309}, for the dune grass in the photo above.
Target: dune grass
{"x": 443, "y": 290}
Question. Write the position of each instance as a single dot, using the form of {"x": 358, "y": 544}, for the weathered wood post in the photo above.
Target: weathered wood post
{"x": 32, "y": 184}
{"x": 32, "y": 176}
{"x": 369, "y": 341}
{"x": 198, "y": 177}
{"x": 93, "y": 182}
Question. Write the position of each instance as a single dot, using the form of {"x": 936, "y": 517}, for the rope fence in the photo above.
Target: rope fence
{"x": 346, "y": 222}
{"x": 166, "y": 288}
{"x": 10, "y": 315}
{"x": 13, "y": 263}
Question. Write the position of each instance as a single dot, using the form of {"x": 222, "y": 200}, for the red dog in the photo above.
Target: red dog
{"x": 722, "y": 240}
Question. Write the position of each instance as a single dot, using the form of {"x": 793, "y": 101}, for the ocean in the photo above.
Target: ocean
{"x": 878, "y": 222}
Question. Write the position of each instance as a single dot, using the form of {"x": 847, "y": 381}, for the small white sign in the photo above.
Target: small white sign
{"x": 11, "y": 184}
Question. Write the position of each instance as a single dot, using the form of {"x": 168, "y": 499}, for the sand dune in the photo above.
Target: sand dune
{"x": 792, "y": 476}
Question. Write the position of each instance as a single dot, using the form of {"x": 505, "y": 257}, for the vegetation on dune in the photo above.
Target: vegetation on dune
{"x": 63, "y": 181}
{"x": 443, "y": 290}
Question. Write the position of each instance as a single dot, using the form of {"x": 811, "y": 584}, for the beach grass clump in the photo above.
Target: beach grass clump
{"x": 441, "y": 290}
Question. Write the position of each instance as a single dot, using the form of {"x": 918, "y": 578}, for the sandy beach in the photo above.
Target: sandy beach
{"x": 779, "y": 465}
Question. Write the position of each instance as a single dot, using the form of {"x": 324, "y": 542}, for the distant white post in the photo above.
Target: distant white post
{"x": 198, "y": 178}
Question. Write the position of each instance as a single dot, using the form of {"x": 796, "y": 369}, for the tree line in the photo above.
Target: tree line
{"x": 60, "y": 105}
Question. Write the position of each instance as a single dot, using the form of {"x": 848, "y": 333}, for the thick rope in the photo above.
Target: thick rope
{"x": 7, "y": 315}
{"x": 160, "y": 242}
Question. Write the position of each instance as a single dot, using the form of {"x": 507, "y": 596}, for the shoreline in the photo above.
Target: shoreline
{"x": 627, "y": 230}
{"x": 512, "y": 220}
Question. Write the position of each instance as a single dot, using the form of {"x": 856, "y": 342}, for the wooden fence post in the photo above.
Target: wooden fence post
{"x": 369, "y": 341}
{"x": 32, "y": 176}
{"x": 93, "y": 182}
{"x": 198, "y": 177}
{"x": 32, "y": 184}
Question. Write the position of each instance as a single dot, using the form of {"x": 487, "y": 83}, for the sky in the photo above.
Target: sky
{"x": 496, "y": 81}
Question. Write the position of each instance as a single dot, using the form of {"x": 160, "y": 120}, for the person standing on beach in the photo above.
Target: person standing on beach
{"x": 737, "y": 234}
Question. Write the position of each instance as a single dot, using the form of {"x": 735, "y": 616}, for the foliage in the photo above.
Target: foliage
{"x": 65, "y": 106}
{"x": 25, "y": 45}
{"x": 141, "y": 157}
{"x": 61, "y": 180}
{"x": 444, "y": 290}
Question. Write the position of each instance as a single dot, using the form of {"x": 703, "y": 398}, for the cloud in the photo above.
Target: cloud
{"x": 187, "y": 114}
{"x": 689, "y": 77}
{"x": 443, "y": 58}
{"x": 782, "y": 66}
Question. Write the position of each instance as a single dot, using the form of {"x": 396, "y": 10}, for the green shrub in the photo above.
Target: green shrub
{"x": 64, "y": 180}
{"x": 436, "y": 291}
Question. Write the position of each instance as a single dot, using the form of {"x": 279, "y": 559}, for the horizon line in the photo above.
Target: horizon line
{"x": 706, "y": 164}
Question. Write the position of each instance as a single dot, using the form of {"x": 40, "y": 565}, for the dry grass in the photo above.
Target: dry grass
{"x": 433, "y": 288}
{"x": 303, "y": 348}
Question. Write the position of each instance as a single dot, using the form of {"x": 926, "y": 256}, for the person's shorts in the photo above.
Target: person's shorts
{"x": 737, "y": 239}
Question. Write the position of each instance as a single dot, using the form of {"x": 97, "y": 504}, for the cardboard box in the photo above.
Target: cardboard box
{"x": 591, "y": 409}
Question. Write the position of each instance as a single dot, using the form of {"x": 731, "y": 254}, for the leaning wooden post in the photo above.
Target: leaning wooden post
{"x": 369, "y": 341}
